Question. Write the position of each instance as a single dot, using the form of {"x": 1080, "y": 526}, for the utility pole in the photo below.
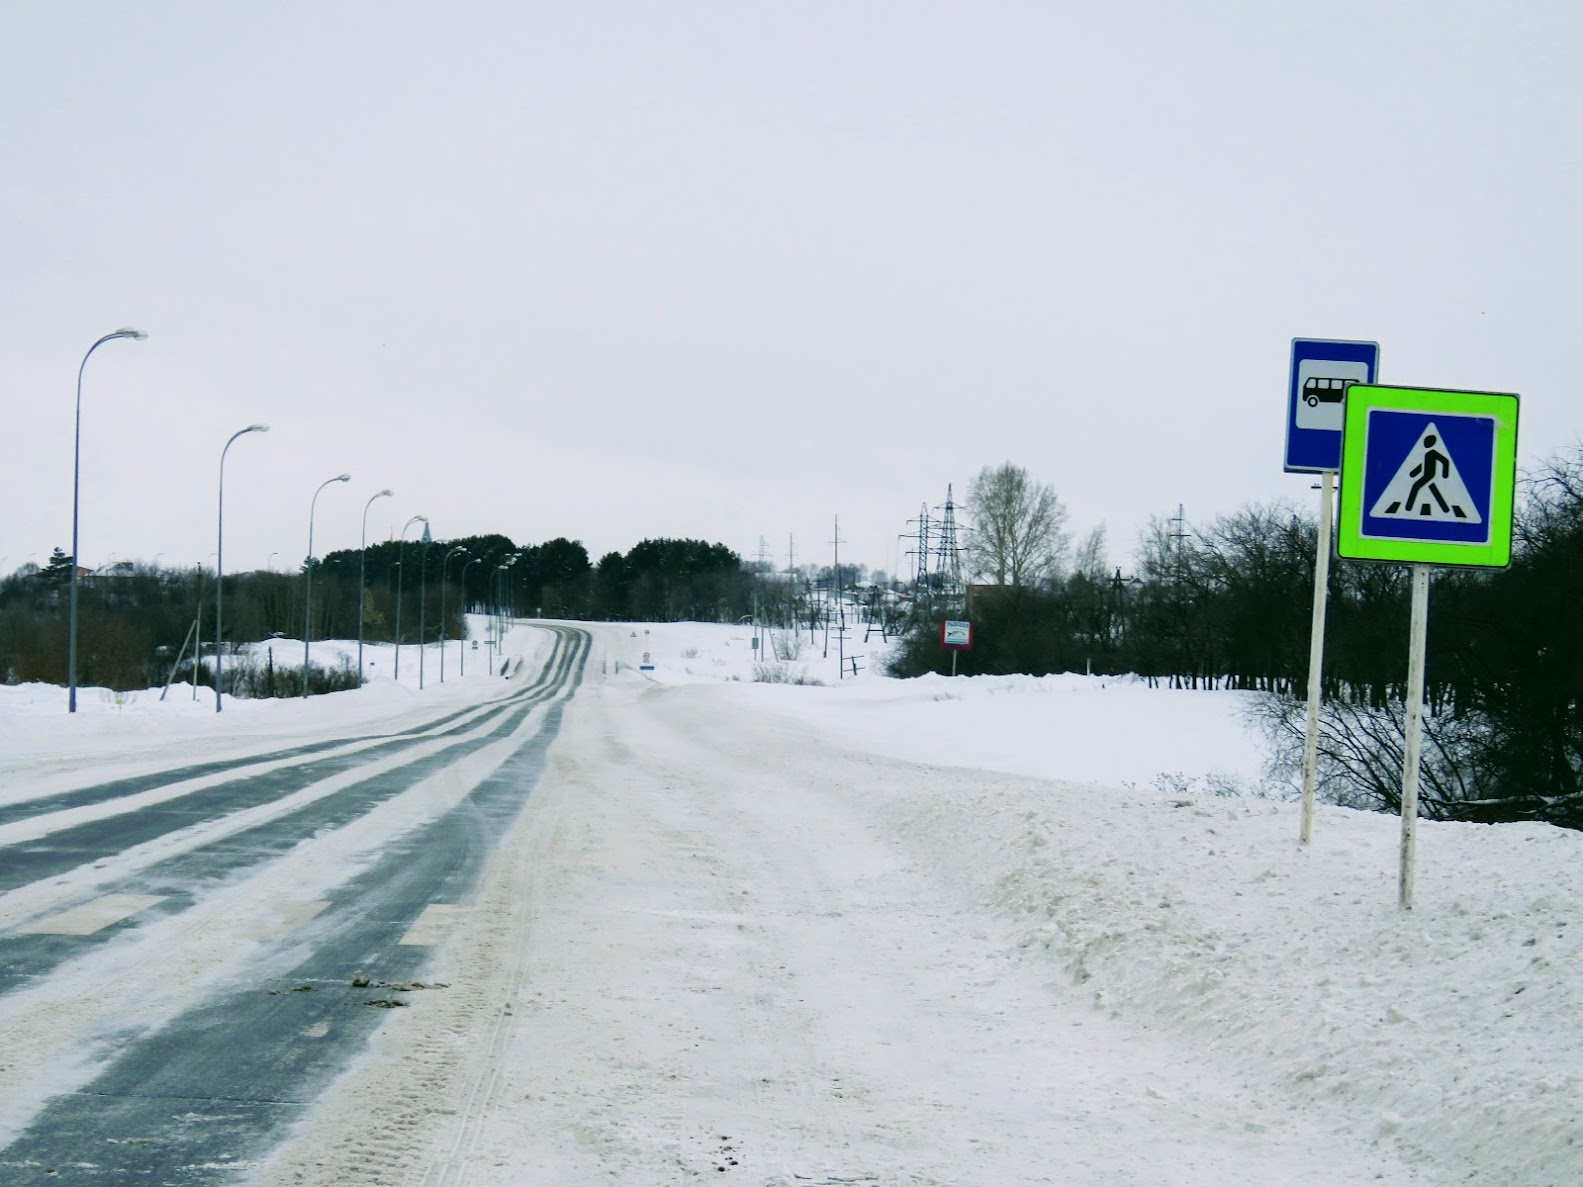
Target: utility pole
{"x": 791, "y": 582}
{"x": 840, "y": 634}
{"x": 1180, "y": 536}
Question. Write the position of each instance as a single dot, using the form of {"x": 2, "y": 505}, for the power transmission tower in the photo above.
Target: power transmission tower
{"x": 840, "y": 605}
{"x": 1180, "y": 536}
{"x": 948, "y": 559}
{"x": 920, "y": 582}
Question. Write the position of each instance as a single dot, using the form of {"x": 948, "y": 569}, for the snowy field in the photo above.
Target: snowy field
{"x": 973, "y": 931}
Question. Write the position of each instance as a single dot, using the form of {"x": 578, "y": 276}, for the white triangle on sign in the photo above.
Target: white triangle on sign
{"x": 1427, "y": 486}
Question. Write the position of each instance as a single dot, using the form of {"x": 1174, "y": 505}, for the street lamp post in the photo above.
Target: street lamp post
{"x": 502, "y": 586}
{"x": 423, "y": 587}
{"x": 500, "y": 630}
{"x": 307, "y": 583}
{"x": 76, "y": 472}
{"x": 400, "y": 542}
{"x": 219, "y": 562}
{"x": 362, "y": 557}
{"x": 443, "y": 563}
{"x": 463, "y": 649}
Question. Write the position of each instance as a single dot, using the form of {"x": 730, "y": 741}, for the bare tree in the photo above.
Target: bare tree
{"x": 1089, "y": 560}
{"x": 1016, "y": 533}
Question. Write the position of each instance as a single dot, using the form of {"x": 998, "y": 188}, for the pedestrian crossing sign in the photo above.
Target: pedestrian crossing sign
{"x": 1427, "y": 477}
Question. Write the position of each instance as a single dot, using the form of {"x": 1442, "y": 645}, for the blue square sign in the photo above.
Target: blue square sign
{"x": 1427, "y": 476}
{"x": 1322, "y": 370}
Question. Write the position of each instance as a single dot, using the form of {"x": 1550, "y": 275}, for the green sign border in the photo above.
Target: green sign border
{"x": 1351, "y": 544}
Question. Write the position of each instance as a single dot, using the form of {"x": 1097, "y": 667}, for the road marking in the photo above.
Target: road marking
{"x": 93, "y": 916}
{"x": 284, "y": 920}
{"x": 432, "y": 926}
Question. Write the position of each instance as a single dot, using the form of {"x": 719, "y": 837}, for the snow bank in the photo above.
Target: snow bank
{"x": 1451, "y": 1028}
{"x": 1063, "y": 727}
{"x": 1145, "y": 873}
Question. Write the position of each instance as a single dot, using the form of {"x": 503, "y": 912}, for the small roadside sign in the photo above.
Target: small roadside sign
{"x": 956, "y": 635}
{"x": 1322, "y": 371}
{"x": 1428, "y": 477}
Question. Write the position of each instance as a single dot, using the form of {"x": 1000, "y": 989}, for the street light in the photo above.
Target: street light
{"x": 500, "y": 571}
{"x": 76, "y": 560}
{"x": 463, "y": 579}
{"x": 400, "y": 541}
{"x": 423, "y": 588}
{"x": 502, "y": 584}
{"x": 307, "y": 580}
{"x": 362, "y": 557}
{"x": 443, "y": 563}
{"x": 219, "y": 555}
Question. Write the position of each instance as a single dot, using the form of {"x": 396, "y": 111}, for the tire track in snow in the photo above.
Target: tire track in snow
{"x": 238, "y": 1059}
{"x": 117, "y": 868}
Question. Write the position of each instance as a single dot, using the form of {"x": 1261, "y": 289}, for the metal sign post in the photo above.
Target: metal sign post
{"x": 1427, "y": 478}
{"x": 1322, "y": 370}
{"x": 1316, "y": 653}
{"x": 1418, "y": 639}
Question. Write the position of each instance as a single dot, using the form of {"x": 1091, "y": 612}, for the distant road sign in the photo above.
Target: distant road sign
{"x": 1322, "y": 370}
{"x": 1428, "y": 477}
{"x": 956, "y": 634}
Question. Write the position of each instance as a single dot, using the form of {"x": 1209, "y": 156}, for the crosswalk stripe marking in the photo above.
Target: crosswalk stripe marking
{"x": 432, "y": 926}
{"x": 93, "y": 916}
{"x": 281, "y": 923}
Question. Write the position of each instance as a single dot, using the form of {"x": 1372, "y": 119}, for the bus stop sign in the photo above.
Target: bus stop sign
{"x": 1322, "y": 370}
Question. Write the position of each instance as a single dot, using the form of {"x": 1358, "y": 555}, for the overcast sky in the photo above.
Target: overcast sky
{"x": 729, "y": 270}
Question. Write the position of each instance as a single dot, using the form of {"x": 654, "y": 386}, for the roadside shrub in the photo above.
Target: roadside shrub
{"x": 783, "y": 674}
{"x": 249, "y": 679}
{"x": 1361, "y": 750}
{"x": 787, "y": 645}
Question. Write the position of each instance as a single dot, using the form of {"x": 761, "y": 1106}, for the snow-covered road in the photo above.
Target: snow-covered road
{"x": 165, "y": 930}
{"x": 736, "y": 966}
{"x": 721, "y": 944}
{"x": 735, "y": 934}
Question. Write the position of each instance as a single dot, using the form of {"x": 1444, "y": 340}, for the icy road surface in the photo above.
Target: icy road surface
{"x": 683, "y": 926}
{"x": 707, "y": 953}
{"x": 179, "y": 979}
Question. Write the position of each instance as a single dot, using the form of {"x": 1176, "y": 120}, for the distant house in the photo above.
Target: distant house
{"x": 113, "y": 571}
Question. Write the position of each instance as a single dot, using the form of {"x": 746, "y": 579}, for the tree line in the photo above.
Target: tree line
{"x": 1228, "y": 604}
{"x": 133, "y": 622}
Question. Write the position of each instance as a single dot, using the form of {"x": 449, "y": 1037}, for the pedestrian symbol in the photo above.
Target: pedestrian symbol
{"x": 1428, "y": 486}
{"x": 1427, "y": 477}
